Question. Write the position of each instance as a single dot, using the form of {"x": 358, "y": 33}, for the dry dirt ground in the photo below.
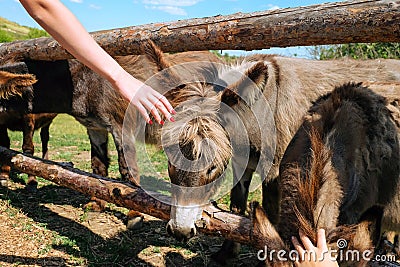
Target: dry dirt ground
{"x": 50, "y": 228}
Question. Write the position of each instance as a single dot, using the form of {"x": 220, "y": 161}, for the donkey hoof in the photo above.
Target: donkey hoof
{"x": 134, "y": 220}
{"x": 135, "y": 223}
{"x": 31, "y": 187}
{"x": 95, "y": 205}
{"x": 3, "y": 182}
{"x": 32, "y": 184}
{"x": 229, "y": 250}
{"x": 135, "y": 181}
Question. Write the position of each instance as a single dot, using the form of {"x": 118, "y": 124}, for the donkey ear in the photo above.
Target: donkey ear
{"x": 249, "y": 88}
{"x": 14, "y": 84}
{"x": 154, "y": 54}
{"x": 169, "y": 77}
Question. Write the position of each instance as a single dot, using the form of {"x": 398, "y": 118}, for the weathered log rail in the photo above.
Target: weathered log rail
{"x": 214, "y": 221}
{"x": 331, "y": 23}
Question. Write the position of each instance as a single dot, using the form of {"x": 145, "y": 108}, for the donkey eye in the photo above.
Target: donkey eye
{"x": 211, "y": 170}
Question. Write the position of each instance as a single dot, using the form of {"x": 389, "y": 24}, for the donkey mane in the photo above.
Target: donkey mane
{"x": 201, "y": 105}
{"x": 311, "y": 204}
{"x": 319, "y": 198}
{"x": 196, "y": 101}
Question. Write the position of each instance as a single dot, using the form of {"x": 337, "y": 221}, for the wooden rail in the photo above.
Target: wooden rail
{"x": 331, "y": 23}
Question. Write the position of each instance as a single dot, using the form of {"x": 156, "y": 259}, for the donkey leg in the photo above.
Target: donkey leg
{"x": 5, "y": 142}
{"x": 270, "y": 199}
{"x": 99, "y": 151}
{"x": 239, "y": 194}
{"x": 134, "y": 219}
{"x": 100, "y": 162}
{"x": 126, "y": 151}
{"x": 44, "y": 138}
{"x": 28, "y": 147}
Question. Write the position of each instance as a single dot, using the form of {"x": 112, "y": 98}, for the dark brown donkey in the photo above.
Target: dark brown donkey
{"x": 18, "y": 120}
{"x": 339, "y": 172}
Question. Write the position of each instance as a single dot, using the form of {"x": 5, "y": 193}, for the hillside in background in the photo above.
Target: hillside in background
{"x": 11, "y": 31}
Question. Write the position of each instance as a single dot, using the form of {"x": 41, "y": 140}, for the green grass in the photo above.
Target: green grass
{"x": 11, "y": 31}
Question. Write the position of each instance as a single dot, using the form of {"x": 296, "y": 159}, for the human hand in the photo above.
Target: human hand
{"x": 311, "y": 256}
{"x": 64, "y": 27}
{"x": 144, "y": 98}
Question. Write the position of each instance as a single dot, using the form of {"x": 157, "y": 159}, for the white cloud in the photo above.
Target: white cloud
{"x": 173, "y": 7}
{"x": 93, "y": 6}
{"x": 77, "y": 1}
{"x": 173, "y": 10}
{"x": 272, "y": 7}
{"x": 171, "y": 3}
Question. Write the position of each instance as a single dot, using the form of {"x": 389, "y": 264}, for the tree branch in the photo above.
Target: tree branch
{"x": 214, "y": 222}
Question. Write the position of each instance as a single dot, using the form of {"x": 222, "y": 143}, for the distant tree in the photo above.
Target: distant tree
{"x": 225, "y": 56}
{"x": 357, "y": 51}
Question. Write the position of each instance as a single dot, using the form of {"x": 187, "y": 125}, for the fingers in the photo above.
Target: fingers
{"x": 309, "y": 255}
{"x": 155, "y": 103}
{"x": 155, "y": 106}
{"x": 297, "y": 245}
{"x": 161, "y": 103}
{"x": 321, "y": 240}
{"x": 308, "y": 245}
{"x": 143, "y": 112}
{"x": 159, "y": 106}
{"x": 166, "y": 104}
{"x": 150, "y": 106}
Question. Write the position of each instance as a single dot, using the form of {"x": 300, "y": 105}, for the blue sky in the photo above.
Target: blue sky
{"x": 107, "y": 14}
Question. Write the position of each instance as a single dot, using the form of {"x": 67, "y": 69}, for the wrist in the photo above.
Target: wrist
{"x": 115, "y": 74}
{"x": 123, "y": 82}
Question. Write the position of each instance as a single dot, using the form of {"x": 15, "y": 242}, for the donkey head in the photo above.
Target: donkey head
{"x": 198, "y": 144}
